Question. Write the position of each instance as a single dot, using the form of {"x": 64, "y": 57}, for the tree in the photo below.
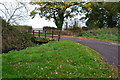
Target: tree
{"x": 56, "y": 10}
{"x": 101, "y": 14}
{"x": 96, "y": 16}
{"x": 13, "y": 12}
{"x": 113, "y": 13}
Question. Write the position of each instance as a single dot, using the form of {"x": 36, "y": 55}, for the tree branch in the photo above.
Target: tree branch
{"x": 13, "y": 13}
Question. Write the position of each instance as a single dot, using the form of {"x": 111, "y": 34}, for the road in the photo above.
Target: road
{"x": 109, "y": 50}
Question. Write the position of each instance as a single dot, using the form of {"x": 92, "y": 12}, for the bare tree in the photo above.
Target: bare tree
{"x": 14, "y": 12}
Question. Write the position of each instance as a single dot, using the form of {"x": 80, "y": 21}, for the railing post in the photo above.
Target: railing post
{"x": 33, "y": 33}
{"x": 59, "y": 35}
{"x": 45, "y": 34}
{"x": 39, "y": 33}
{"x": 52, "y": 34}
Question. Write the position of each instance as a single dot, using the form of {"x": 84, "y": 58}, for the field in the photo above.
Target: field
{"x": 110, "y": 34}
{"x": 63, "y": 59}
{"x": 37, "y": 29}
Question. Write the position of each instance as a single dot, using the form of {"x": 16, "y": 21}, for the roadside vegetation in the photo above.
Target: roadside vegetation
{"x": 63, "y": 59}
{"x": 110, "y": 34}
{"x": 107, "y": 34}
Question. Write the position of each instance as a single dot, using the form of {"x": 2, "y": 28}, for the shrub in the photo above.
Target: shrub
{"x": 14, "y": 38}
{"x": 66, "y": 32}
{"x": 84, "y": 28}
{"x": 48, "y": 28}
{"x": 75, "y": 29}
{"x": 103, "y": 34}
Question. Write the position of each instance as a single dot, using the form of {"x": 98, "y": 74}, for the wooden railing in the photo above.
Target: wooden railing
{"x": 47, "y": 33}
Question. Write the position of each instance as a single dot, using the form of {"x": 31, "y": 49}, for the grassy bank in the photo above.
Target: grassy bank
{"x": 110, "y": 34}
{"x": 0, "y": 66}
{"x": 55, "y": 59}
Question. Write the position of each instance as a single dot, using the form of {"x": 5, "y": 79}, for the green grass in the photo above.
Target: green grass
{"x": 103, "y": 34}
{"x": 0, "y": 66}
{"x": 63, "y": 59}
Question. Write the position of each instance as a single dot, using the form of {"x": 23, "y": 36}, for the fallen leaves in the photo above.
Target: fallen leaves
{"x": 56, "y": 72}
{"x": 61, "y": 66}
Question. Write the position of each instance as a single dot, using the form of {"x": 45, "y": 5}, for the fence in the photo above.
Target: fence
{"x": 47, "y": 33}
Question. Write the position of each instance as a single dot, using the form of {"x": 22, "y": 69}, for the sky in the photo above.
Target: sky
{"x": 37, "y": 22}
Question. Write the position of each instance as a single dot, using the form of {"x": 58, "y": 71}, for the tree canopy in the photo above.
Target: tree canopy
{"x": 56, "y": 10}
{"x": 102, "y": 14}
{"x": 99, "y": 14}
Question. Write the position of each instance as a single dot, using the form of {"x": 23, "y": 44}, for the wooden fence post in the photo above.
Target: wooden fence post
{"x": 52, "y": 34}
{"x": 39, "y": 33}
{"x": 45, "y": 34}
{"x": 33, "y": 33}
{"x": 59, "y": 35}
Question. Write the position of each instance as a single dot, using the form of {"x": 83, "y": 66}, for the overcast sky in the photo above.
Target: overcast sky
{"x": 38, "y": 22}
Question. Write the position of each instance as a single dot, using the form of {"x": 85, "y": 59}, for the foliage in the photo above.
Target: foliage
{"x": 75, "y": 29}
{"x": 111, "y": 34}
{"x": 66, "y": 32}
{"x": 14, "y": 38}
{"x": 48, "y": 28}
{"x": 56, "y": 10}
{"x": 64, "y": 59}
{"x": 101, "y": 14}
{"x": 113, "y": 13}
{"x": 84, "y": 28}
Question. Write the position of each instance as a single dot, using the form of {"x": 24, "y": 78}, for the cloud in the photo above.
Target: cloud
{"x": 38, "y": 22}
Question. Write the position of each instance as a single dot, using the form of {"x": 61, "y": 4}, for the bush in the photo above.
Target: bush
{"x": 75, "y": 29}
{"x": 84, "y": 28}
{"x": 103, "y": 34}
{"x": 14, "y": 38}
{"x": 48, "y": 28}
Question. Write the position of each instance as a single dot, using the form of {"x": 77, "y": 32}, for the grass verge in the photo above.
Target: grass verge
{"x": 63, "y": 59}
{"x": 0, "y": 66}
{"x": 110, "y": 34}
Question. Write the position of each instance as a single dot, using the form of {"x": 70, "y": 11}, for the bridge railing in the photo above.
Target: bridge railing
{"x": 47, "y": 33}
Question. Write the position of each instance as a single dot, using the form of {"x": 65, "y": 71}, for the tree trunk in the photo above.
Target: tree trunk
{"x": 59, "y": 21}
